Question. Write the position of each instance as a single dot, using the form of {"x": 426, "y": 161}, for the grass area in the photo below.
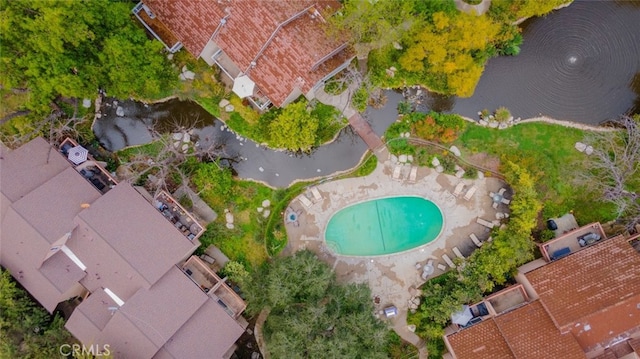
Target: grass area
{"x": 367, "y": 167}
{"x": 547, "y": 151}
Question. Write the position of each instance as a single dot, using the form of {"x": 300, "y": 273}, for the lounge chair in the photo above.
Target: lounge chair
{"x": 475, "y": 240}
{"x": 396, "y": 172}
{"x": 485, "y": 223}
{"x": 505, "y": 201}
{"x": 448, "y": 261}
{"x": 413, "y": 174}
{"x": 458, "y": 190}
{"x": 316, "y": 194}
{"x": 470, "y": 193}
{"x": 305, "y": 201}
{"x": 442, "y": 267}
{"x": 494, "y": 205}
{"x": 457, "y": 252}
{"x": 502, "y": 191}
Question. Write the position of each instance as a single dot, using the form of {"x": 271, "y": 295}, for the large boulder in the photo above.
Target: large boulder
{"x": 402, "y": 158}
{"x": 580, "y": 146}
{"x": 119, "y": 111}
{"x": 189, "y": 75}
{"x": 223, "y": 103}
{"x": 455, "y": 150}
{"x": 435, "y": 162}
{"x": 86, "y": 103}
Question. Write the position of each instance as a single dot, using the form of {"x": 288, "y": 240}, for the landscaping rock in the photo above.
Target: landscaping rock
{"x": 439, "y": 169}
{"x": 177, "y": 136}
{"x": 230, "y": 226}
{"x": 460, "y": 173}
{"x": 260, "y": 209}
{"x": 588, "y": 151}
{"x": 410, "y": 158}
{"x": 86, "y": 103}
{"x": 186, "y": 138}
{"x": 580, "y": 146}
{"x": 176, "y": 144}
{"x": 228, "y": 217}
{"x": 119, "y": 111}
{"x": 502, "y": 126}
{"x": 260, "y": 169}
{"x": 185, "y": 147}
{"x": 435, "y": 162}
{"x": 402, "y": 158}
{"x": 189, "y": 75}
{"x": 170, "y": 57}
{"x": 393, "y": 159}
{"x": 493, "y": 124}
{"x": 407, "y": 134}
{"x": 483, "y": 122}
{"x": 266, "y": 203}
{"x": 223, "y": 103}
{"x": 181, "y": 77}
{"x": 229, "y": 108}
{"x": 184, "y": 68}
{"x": 455, "y": 150}
{"x": 98, "y": 115}
{"x": 266, "y": 213}
{"x": 480, "y": 175}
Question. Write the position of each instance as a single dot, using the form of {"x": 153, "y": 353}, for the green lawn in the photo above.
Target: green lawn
{"x": 547, "y": 151}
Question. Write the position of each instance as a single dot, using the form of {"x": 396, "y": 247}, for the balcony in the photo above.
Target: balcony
{"x": 177, "y": 215}
{"x": 89, "y": 168}
{"x": 215, "y": 287}
{"x": 572, "y": 242}
{"x": 156, "y": 28}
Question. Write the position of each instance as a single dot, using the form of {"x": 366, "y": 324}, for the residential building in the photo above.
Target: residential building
{"x": 122, "y": 259}
{"x": 275, "y": 50}
{"x": 584, "y": 303}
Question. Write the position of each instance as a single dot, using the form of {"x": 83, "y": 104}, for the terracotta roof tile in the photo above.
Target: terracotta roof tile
{"x": 532, "y": 335}
{"x": 588, "y": 281}
{"x": 480, "y": 341}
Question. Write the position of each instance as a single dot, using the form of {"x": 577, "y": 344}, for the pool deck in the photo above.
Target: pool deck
{"x": 394, "y": 279}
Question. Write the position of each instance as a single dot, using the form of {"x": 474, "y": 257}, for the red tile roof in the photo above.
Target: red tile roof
{"x": 285, "y": 39}
{"x": 588, "y": 281}
{"x": 480, "y": 341}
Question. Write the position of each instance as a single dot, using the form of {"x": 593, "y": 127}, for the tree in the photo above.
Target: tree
{"x": 295, "y": 128}
{"x": 71, "y": 49}
{"x": 311, "y": 316}
{"x": 614, "y": 168}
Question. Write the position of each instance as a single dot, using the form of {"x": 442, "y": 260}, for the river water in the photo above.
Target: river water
{"x": 580, "y": 64}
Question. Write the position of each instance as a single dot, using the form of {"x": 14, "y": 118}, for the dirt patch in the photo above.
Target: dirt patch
{"x": 484, "y": 160}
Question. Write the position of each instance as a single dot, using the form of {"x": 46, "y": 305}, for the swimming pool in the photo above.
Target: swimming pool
{"x": 383, "y": 226}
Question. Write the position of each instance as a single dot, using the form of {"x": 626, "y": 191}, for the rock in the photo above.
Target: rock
{"x": 228, "y": 217}
{"x": 120, "y": 111}
{"x": 185, "y": 147}
{"x": 277, "y": 175}
{"x": 189, "y": 75}
{"x": 230, "y": 226}
{"x": 393, "y": 159}
{"x": 510, "y": 119}
{"x": 266, "y": 203}
{"x": 184, "y": 69}
{"x": 266, "y": 213}
{"x": 493, "y": 124}
{"x": 411, "y": 328}
{"x": 176, "y": 144}
{"x": 98, "y": 115}
{"x": 260, "y": 169}
{"x": 588, "y": 151}
{"x": 86, "y": 103}
{"x": 407, "y": 134}
{"x": 419, "y": 92}
{"x": 389, "y": 73}
{"x": 115, "y": 103}
{"x": 181, "y": 77}
{"x": 260, "y": 209}
{"x": 402, "y": 158}
{"x": 457, "y": 168}
{"x": 318, "y": 170}
{"x": 480, "y": 175}
{"x": 483, "y": 122}
{"x": 229, "y": 108}
{"x": 580, "y": 146}
{"x": 392, "y": 68}
{"x": 186, "y": 138}
{"x": 223, "y": 103}
{"x": 439, "y": 169}
{"x": 177, "y": 136}
{"x": 455, "y": 150}
{"x": 502, "y": 126}
{"x": 410, "y": 158}
{"x": 435, "y": 162}
{"x": 170, "y": 57}
{"x": 397, "y": 46}
{"x": 479, "y": 113}
{"x": 460, "y": 173}
{"x": 226, "y": 210}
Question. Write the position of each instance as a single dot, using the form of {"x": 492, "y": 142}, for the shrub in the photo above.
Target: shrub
{"x": 502, "y": 114}
{"x": 360, "y": 99}
{"x": 404, "y": 107}
{"x": 471, "y": 173}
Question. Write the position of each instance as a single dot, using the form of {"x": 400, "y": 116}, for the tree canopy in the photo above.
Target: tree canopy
{"x": 311, "y": 316}
{"x": 295, "y": 128}
{"x": 73, "y": 48}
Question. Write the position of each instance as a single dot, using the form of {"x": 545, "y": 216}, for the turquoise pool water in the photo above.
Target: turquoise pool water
{"x": 383, "y": 226}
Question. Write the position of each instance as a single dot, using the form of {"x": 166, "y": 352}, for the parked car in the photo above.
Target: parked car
{"x": 551, "y": 224}
{"x": 588, "y": 238}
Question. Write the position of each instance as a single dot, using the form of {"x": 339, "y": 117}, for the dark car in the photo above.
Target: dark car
{"x": 551, "y": 224}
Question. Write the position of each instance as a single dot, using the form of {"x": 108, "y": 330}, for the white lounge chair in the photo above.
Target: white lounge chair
{"x": 484, "y": 223}
{"x": 448, "y": 261}
{"x": 458, "y": 190}
{"x": 316, "y": 194}
{"x": 457, "y": 252}
{"x": 305, "y": 201}
{"x": 396, "y": 172}
{"x": 470, "y": 193}
{"x": 502, "y": 191}
{"x": 475, "y": 240}
{"x": 505, "y": 201}
{"x": 413, "y": 174}
{"x": 442, "y": 267}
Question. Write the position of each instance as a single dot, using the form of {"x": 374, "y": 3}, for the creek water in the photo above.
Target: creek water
{"x": 580, "y": 64}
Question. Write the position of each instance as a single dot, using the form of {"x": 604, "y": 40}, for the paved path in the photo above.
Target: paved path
{"x": 468, "y": 8}
{"x": 343, "y": 103}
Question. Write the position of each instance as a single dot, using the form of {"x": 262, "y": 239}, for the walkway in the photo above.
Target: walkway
{"x": 343, "y": 103}
{"x": 468, "y": 8}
